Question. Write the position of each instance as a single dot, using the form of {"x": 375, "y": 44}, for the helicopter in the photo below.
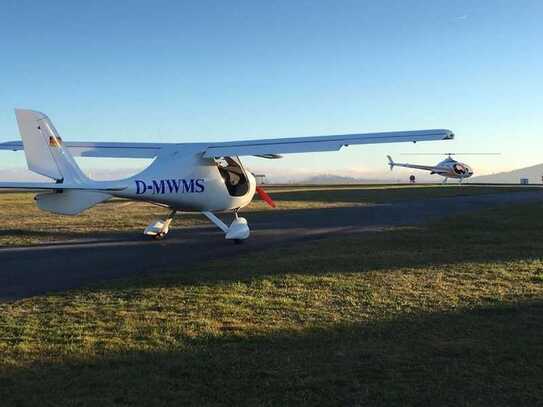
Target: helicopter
{"x": 448, "y": 168}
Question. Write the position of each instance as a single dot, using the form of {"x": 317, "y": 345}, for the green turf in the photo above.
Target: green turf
{"x": 451, "y": 314}
{"x": 24, "y": 224}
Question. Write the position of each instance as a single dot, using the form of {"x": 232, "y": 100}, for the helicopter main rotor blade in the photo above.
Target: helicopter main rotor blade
{"x": 450, "y": 153}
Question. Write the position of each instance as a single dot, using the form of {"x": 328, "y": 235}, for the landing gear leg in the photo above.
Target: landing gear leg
{"x": 159, "y": 228}
{"x": 240, "y": 222}
{"x": 238, "y": 230}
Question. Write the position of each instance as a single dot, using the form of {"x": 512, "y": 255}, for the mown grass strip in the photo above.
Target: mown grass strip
{"x": 446, "y": 315}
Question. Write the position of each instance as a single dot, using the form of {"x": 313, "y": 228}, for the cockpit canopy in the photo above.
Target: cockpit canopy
{"x": 462, "y": 169}
{"x": 233, "y": 174}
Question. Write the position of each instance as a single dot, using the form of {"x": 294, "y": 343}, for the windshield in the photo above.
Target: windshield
{"x": 460, "y": 169}
{"x": 233, "y": 175}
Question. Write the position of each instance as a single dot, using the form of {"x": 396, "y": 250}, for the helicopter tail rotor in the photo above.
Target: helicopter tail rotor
{"x": 391, "y": 163}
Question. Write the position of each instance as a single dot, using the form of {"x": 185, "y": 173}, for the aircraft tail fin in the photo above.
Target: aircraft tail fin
{"x": 44, "y": 151}
{"x": 391, "y": 163}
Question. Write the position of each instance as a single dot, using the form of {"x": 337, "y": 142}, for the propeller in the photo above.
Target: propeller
{"x": 265, "y": 197}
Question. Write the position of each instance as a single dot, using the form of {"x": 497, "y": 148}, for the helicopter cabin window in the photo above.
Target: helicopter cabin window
{"x": 460, "y": 169}
{"x": 233, "y": 175}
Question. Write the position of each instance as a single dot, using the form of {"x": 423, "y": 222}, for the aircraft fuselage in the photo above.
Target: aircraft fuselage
{"x": 189, "y": 182}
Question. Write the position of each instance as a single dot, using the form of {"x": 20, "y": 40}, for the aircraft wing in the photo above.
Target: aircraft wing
{"x": 101, "y": 149}
{"x": 319, "y": 143}
{"x": 267, "y": 148}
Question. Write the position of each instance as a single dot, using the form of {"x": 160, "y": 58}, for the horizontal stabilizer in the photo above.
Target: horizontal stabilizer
{"x": 37, "y": 186}
{"x": 69, "y": 202}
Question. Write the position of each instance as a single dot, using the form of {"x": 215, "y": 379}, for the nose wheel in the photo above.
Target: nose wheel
{"x": 238, "y": 230}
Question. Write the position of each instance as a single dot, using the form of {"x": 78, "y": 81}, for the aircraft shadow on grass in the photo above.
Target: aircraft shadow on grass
{"x": 399, "y": 213}
{"x": 130, "y": 254}
{"x": 58, "y": 236}
{"x": 484, "y": 356}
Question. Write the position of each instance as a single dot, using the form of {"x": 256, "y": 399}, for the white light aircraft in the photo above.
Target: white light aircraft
{"x": 188, "y": 177}
{"x": 448, "y": 168}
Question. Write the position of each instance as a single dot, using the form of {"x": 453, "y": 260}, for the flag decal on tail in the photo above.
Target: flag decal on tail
{"x": 54, "y": 141}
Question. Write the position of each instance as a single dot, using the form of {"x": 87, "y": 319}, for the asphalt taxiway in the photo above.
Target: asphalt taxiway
{"x": 27, "y": 271}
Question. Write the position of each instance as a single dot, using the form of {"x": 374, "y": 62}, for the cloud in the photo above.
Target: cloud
{"x": 461, "y": 17}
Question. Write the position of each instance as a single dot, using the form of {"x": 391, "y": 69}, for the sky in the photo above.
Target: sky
{"x": 179, "y": 71}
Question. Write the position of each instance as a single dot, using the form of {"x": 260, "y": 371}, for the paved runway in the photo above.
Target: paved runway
{"x": 28, "y": 271}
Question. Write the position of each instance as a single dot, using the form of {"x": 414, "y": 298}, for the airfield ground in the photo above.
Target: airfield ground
{"x": 445, "y": 312}
{"x": 23, "y": 224}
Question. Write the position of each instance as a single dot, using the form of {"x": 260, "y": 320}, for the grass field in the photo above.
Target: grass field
{"x": 451, "y": 314}
{"x": 24, "y": 224}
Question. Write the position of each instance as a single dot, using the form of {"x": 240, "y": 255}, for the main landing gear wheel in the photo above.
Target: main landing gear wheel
{"x": 160, "y": 236}
{"x": 159, "y": 228}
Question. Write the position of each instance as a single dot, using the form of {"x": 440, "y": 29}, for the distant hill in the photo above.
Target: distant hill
{"x": 333, "y": 179}
{"x": 325, "y": 179}
{"x": 533, "y": 174}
